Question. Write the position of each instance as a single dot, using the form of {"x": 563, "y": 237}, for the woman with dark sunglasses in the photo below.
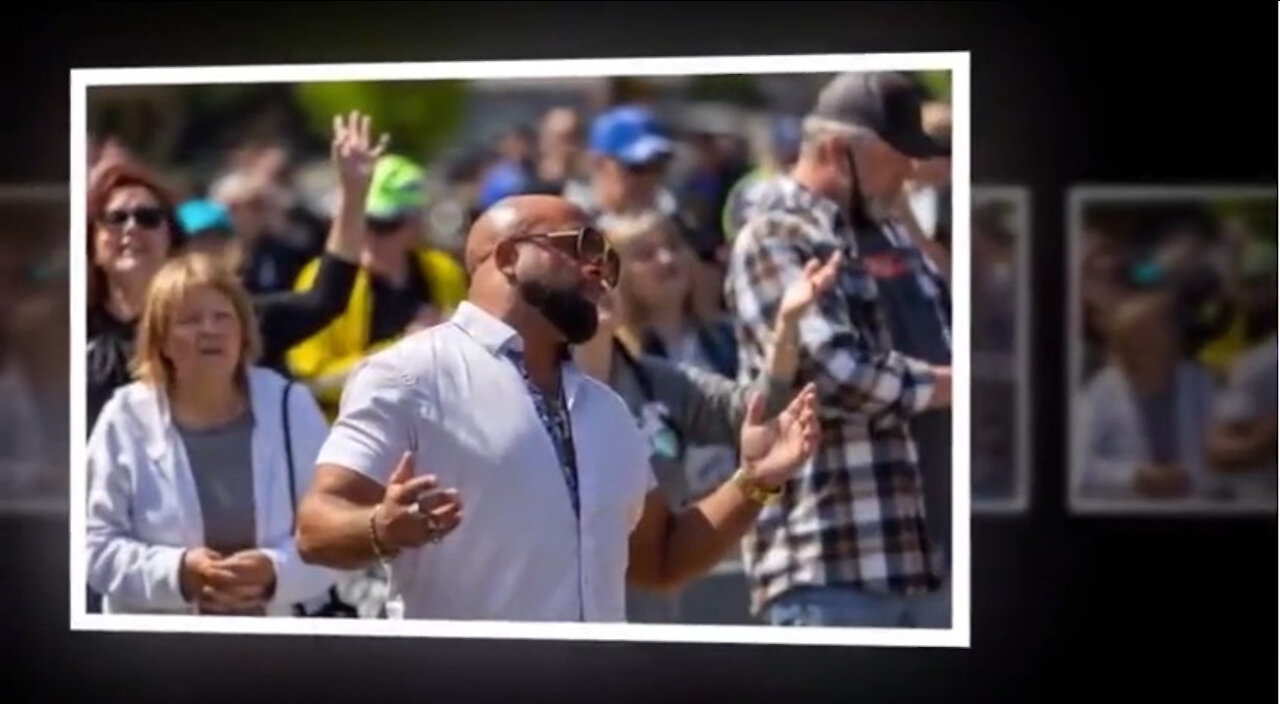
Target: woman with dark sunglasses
{"x": 133, "y": 230}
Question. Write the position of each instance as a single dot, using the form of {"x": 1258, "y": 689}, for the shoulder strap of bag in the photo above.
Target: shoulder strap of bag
{"x": 637, "y": 370}
{"x": 717, "y": 344}
{"x": 293, "y": 488}
{"x": 288, "y": 451}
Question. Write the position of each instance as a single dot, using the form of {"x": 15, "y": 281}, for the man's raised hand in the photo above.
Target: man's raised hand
{"x": 773, "y": 450}
{"x": 414, "y": 510}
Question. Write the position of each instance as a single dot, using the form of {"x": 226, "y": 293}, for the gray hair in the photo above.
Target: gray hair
{"x": 815, "y": 128}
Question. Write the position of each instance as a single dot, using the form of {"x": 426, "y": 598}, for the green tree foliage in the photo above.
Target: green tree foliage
{"x": 420, "y": 116}
{"x": 938, "y": 83}
{"x": 1259, "y": 213}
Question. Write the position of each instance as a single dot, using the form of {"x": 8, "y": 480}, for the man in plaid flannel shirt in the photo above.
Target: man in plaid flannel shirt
{"x": 850, "y": 541}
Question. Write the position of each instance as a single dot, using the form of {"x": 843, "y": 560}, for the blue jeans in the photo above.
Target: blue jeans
{"x": 846, "y": 607}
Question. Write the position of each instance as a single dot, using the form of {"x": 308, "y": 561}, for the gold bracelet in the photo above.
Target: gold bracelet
{"x": 752, "y": 489}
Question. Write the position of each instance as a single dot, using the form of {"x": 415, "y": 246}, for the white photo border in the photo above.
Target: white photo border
{"x": 1078, "y": 197}
{"x": 1020, "y": 197}
{"x": 957, "y": 63}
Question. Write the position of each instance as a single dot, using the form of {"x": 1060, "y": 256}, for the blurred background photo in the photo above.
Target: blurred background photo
{"x": 1174, "y": 349}
{"x": 34, "y": 343}
{"x": 248, "y": 171}
{"x": 1001, "y": 303}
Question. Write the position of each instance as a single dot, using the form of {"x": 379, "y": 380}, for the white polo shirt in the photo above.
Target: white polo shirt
{"x": 519, "y": 554}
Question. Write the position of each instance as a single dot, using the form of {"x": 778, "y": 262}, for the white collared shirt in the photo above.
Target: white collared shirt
{"x": 519, "y": 554}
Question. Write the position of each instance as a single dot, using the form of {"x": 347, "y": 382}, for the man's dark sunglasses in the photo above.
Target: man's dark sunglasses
{"x": 587, "y": 245}
{"x": 145, "y": 217}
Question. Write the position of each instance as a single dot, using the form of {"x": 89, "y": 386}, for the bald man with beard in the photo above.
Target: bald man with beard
{"x": 494, "y": 479}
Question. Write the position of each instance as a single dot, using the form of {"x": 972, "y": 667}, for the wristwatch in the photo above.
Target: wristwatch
{"x": 752, "y": 489}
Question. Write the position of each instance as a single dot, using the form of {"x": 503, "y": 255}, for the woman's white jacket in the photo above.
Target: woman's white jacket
{"x": 143, "y": 511}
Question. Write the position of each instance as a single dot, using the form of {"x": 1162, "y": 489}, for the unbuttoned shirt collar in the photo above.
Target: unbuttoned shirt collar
{"x": 497, "y": 337}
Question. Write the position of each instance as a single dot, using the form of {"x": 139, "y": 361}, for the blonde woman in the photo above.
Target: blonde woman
{"x": 683, "y": 408}
{"x": 655, "y": 317}
{"x": 193, "y": 466}
{"x": 1146, "y": 414}
{"x": 657, "y": 295}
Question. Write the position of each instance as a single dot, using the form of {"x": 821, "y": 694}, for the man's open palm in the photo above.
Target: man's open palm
{"x": 773, "y": 450}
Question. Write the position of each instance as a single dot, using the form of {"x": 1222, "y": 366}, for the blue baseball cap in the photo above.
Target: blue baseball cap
{"x": 631, "y": 135}
{"x": 199, "y": 216}
{"x": 503, "y": 180}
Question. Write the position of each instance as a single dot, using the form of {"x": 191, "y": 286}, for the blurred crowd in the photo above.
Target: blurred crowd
{"x": 1179, "y": 315}
{"x": 326, "y": 296}
{"x": 34, "y": 343}
{"x": 997, "y": 233}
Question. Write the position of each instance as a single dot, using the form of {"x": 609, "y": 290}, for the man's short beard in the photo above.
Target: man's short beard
{"x": 568, "y": 311}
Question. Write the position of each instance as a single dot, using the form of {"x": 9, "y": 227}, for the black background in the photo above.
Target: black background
{"x": 1164, "y": 608}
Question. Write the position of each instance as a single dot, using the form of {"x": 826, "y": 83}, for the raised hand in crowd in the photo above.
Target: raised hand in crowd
{"x": 414, "y": 510}
{"x": 816, "y": 279}
{"x": 354, "y": 153}
{"x": 773, "y": 450}
{"x": 291, "y": 317}
{"x": 784, "y": 355}
{"x": 354, "y": 156}
{"x": 668, "y": 549}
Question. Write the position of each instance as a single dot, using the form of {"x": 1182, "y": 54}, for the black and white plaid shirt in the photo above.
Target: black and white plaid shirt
{"x": 855, "y": 515}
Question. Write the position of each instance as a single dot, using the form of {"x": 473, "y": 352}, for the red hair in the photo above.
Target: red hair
{"x": 104, "y": 179}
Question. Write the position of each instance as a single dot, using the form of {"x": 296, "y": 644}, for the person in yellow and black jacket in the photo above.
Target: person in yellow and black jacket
{"x": 402, "y": 286}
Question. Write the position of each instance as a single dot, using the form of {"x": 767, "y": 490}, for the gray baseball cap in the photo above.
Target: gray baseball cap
{"x": 886, "y": 103}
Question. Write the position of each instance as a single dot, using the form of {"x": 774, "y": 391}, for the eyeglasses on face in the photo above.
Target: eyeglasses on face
{"x": 146, "y": 217}
{"x": 586, "y": 245}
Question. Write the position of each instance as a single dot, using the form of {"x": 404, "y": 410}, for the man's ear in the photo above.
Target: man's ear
{"x": 505, "y": 254}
